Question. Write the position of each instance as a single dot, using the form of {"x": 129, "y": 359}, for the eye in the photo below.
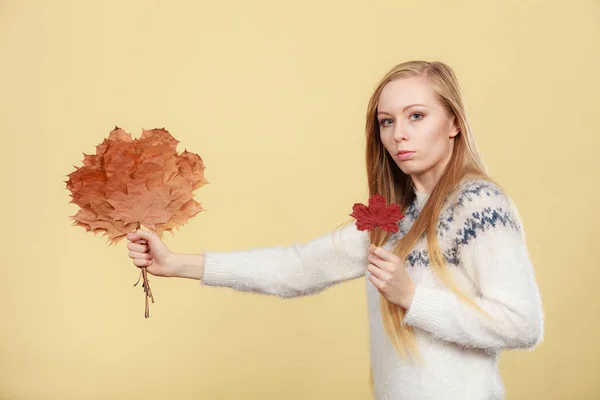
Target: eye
{"x": 416, "y": 114}
{"x": 382, "y": 122}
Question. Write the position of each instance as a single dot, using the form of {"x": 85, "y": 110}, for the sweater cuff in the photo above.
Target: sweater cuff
{"x": 426, "y": 308}
{"x": 217, "y": 272}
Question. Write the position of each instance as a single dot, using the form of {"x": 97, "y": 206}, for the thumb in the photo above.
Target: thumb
{"x": 150, "y": 236}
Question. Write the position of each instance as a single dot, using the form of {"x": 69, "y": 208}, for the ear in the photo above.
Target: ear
{"x": 454, "y": 128}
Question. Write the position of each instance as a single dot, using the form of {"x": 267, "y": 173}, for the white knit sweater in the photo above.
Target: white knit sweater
{"x": 481, "y": 236}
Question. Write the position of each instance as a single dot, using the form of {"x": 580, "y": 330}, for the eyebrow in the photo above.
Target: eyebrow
{"x": 404, "y": 109}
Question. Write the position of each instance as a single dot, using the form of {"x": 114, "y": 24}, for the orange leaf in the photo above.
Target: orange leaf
{"x": 132, "y": 182}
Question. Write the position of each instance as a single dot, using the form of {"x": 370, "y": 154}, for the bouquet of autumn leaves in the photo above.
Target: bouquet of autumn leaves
{"x": 133, "y": 182}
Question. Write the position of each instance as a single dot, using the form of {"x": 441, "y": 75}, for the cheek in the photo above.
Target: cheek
{"x": 432, "y": 150}
{"x": 434, "y": 145}
{"x": 436, "y": 150}
{"x": 388, "y": 143}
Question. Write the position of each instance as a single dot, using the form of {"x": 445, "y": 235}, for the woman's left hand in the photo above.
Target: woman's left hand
{"x": 389, "y": 276}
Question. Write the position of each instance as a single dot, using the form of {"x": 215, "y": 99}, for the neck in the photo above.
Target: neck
{"x": 425, "y": 181}
{"x": 424, "y": 184}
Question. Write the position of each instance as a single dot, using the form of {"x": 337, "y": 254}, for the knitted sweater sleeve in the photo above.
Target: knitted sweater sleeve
{"x": 291, "y": 271}
{"x": 493, "y": 251}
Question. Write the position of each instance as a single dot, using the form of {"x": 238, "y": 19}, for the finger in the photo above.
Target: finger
{"x": 378, "y": 272}
{"x": 149, "y": 236}
{"x": 133, "y": 236}
{"x": 140, "y": 234}
{"x": 137, "y": 254}
{"x": 380, "y": 263}
{"x": 385, "y": 255}
{"x": 376, "y": 282}
{"x": 142, "y": 248}
{"x": 139, "y": 262}
{"x": 378, "y": 253}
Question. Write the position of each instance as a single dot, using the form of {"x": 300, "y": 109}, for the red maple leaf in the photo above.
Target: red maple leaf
{"x": 377, "y": 214}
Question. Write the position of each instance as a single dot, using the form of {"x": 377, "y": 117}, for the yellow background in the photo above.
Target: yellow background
{"x": 272, "y": 95}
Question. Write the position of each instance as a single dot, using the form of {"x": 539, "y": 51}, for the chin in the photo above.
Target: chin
{"x": 408, "y": 168}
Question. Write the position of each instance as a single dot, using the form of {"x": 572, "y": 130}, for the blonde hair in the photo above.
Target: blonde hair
{"x": 386, "y": 178}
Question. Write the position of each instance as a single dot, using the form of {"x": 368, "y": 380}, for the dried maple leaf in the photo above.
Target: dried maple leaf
{"x": 133, "y": 182}
{"x": 377, "y": 214}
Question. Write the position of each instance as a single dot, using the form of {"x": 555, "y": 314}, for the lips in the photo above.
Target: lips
{"x": 405, "y": 154}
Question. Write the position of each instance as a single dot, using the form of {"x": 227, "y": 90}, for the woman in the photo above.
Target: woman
{"x": 448, "y": 291}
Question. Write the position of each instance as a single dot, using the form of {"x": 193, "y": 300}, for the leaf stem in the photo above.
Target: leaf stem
{"x": 145, "y": 285}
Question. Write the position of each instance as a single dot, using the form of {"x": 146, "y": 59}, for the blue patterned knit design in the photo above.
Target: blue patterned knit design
{"x": 484, "y": 220}
{"x": 421, "y": 257}
{"x": 479, "y": 221}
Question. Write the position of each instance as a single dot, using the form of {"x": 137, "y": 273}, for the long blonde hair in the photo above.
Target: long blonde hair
{"x": 385, "y": 178}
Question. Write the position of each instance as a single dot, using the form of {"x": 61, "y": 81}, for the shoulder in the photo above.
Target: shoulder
{"x": 478, "y": 192}
{"x": 480, "y": 205}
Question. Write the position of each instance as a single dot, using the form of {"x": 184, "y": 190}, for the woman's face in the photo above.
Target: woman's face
{"x": 415, "y": 129}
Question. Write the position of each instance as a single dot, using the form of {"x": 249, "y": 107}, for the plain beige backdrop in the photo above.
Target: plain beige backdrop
{"x": 272, "y": 95}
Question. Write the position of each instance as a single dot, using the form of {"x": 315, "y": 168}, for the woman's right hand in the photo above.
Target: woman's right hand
{"x": 148, "y": 250}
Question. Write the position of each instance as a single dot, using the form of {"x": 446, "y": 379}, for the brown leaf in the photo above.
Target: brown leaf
{"x": 191, "y": 167}
{"x": 148, "y": 207}
{"x": 157, "y": 137}
{"x": 136, "y": 181}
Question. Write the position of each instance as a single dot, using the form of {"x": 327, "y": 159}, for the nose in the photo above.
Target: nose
{"x": 400, "y": 133}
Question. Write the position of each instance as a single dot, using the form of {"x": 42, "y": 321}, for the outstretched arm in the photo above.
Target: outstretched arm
{"x": 290, "y": 271}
